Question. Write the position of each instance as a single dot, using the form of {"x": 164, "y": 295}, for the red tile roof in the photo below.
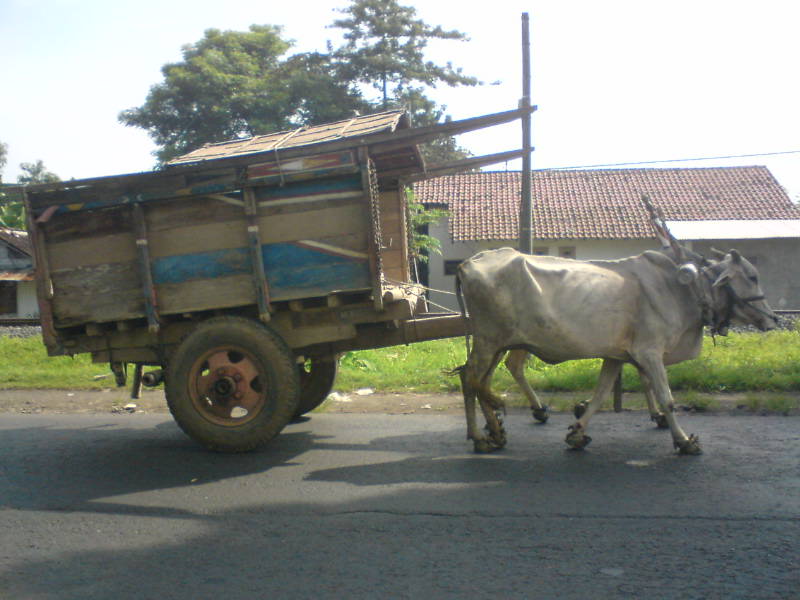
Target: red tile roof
{"x": 603, "y": 204}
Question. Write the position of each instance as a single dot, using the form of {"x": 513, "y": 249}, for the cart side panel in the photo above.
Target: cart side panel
{"x": 314, "y": 241}
{"x": 394, "y": 236}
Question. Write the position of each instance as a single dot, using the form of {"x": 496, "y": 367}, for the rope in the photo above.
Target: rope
{"x": 424, "y": 287}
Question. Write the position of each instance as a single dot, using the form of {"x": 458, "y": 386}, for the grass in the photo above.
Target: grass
{"x": 744, "y": 362}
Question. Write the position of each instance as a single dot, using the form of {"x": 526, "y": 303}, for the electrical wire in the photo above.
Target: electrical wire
{"x": 673, "y": 160}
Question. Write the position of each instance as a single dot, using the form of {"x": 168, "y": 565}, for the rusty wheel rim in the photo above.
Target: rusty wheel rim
{"x": 227, "y": 386}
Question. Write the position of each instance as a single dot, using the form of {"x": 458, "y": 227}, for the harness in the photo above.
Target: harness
{"x": 719, "y": 320}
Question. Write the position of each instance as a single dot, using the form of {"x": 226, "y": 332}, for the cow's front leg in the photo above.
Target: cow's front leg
{"x": 577, "y": 438}
{"x": 654, "y": 369}
{"x": 515, "y": 362}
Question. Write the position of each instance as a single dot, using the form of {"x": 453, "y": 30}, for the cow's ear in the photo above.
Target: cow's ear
{"x": 724, "y": 278}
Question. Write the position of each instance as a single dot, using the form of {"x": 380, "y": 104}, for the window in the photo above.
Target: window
{"x": 8, "y": 297}
{"x": 541, "y": 250}
{"x": 566, "y": 251}
{"x": 451, "y": 266}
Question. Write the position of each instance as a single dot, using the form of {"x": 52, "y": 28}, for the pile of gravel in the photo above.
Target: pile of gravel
{"x": 20, "y": 331}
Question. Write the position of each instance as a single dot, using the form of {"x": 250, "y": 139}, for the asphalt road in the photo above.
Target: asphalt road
{"x": 397, "y": 506}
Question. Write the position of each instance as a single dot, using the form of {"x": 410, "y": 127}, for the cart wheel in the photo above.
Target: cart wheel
{"x": 317, "y": 376}
{"x": 232, "y": 384}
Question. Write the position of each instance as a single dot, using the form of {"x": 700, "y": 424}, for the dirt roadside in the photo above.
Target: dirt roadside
{"x": 118, "y": 400}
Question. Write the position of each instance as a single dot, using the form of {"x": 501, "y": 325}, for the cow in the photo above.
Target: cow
{"x": 649, "y": 310}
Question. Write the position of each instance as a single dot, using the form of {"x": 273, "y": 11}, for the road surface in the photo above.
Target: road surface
{"x": 397, "y": 506}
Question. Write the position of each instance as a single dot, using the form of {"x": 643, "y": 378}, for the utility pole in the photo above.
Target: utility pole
{"x": 525, "y": 213}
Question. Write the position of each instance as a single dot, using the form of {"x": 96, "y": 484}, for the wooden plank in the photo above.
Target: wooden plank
{"x": 256, "y": 257}
{"x": 186, "y": 237}
{"x": 206, "y": 294}
{"x": 102, "y": 293}
{"x": 369, "y": 185}
{"x": 89, "y": 251}
{"x": 145, "y": 275}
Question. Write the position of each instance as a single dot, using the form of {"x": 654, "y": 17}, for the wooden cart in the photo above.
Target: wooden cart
{"x": 243, "y": 269}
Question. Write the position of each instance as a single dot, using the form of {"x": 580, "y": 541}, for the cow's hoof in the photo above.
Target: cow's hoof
{"x": 690, "y": 446}
{"x": 579, "y": 409}
{"x": 485, "y": 446}
{"x": 576, "y": 439}
{"x": 541, "y": 414}
{"x": 660, "y": 420}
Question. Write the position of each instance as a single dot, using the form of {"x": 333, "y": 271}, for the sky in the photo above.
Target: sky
{"x": 616, "y": 81}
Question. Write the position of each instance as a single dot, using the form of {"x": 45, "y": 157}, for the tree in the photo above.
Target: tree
{"x": 36, "y": 173}
{"x": 232, "y": 84}
{"x": 385, "y": 49}
{"x": 12, "y": 211}
{"x": 3, "y": 159}
{"x": 424, "y": 111}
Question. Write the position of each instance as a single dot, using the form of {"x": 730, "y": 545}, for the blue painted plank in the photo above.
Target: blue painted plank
{"x": 291, "y": 270}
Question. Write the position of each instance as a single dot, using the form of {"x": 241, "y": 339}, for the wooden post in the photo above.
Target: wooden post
{"x": 256, "y": 257}
{"x": 618, "y": 393}
{"x": 44, "y": 284}
{"x": 525, "y": 213}
{"x": 371, "y": 193}
{"x": 143, "y": 253}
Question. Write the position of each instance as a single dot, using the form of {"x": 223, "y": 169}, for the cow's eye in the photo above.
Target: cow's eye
{"x": 753, "y": 278}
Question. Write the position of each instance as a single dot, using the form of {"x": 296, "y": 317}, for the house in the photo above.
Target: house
{"x": 598, "y": 214}
{"x": 17, "y": 286}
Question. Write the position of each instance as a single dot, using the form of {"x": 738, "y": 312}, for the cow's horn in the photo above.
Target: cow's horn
{"x": 717, "y": 253}
{"x": 687, "y": 273}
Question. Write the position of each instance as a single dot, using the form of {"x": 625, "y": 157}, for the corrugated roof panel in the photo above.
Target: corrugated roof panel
{"x": 302, "y": 136}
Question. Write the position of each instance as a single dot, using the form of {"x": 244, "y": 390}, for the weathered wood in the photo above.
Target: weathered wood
{"x": 369, "y": 184}
{"x": 256, "y": 257}
{"x": 145, "y": 274}
{"x": 102, "y": 293}
{"x": 452, "y": 167}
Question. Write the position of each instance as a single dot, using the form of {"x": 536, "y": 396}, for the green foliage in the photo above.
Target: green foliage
{"x": 12, "y": 214}
{"x": 232, "y": 84}
{"x": 3, "y": 158}
{"x": 12, "y": 211}
{"x": 423, "y": 244}
{"x": 385, "y": 48}
{"x": 743, "y": 362}
{"x": 36, "y": 172}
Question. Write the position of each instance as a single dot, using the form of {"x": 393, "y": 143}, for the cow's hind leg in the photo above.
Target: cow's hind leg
{"x": 577, "y": 438}
{"x": 653, "y": 366}
{"x": 656, "y": 415}
{"x": 492, "y": 406}
{"x": 474, "y": 375}
{"x": 515, "y": 362}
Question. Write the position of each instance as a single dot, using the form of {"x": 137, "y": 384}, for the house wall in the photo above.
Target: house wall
{"x": 27, "y": 305}
{"x": 777, "y": 260}
{"x": 778, "y": 264}
{"x": 458, "y": 251}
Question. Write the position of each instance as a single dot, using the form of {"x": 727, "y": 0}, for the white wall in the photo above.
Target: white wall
{"x": 584, "y": 250}
{"x": 27, "y": 306}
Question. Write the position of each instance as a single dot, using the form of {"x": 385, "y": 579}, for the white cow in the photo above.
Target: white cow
{"x": 646, "y": 310}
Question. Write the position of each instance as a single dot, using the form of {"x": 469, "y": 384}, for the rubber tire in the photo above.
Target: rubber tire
{"x": 272, "y": 358}
{"x": 316, "y": 383}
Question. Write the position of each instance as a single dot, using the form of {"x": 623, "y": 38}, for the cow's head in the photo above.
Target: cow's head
{"x": 737, "y": 294}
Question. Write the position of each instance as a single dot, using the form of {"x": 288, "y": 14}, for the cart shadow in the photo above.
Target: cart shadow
{"x": 80, "y": 468}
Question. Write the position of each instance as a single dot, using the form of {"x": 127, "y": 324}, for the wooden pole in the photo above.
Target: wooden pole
{"x": 525, "y": 217}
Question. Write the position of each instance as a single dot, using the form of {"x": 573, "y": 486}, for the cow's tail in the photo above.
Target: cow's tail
{"x": 462, "y": 305}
